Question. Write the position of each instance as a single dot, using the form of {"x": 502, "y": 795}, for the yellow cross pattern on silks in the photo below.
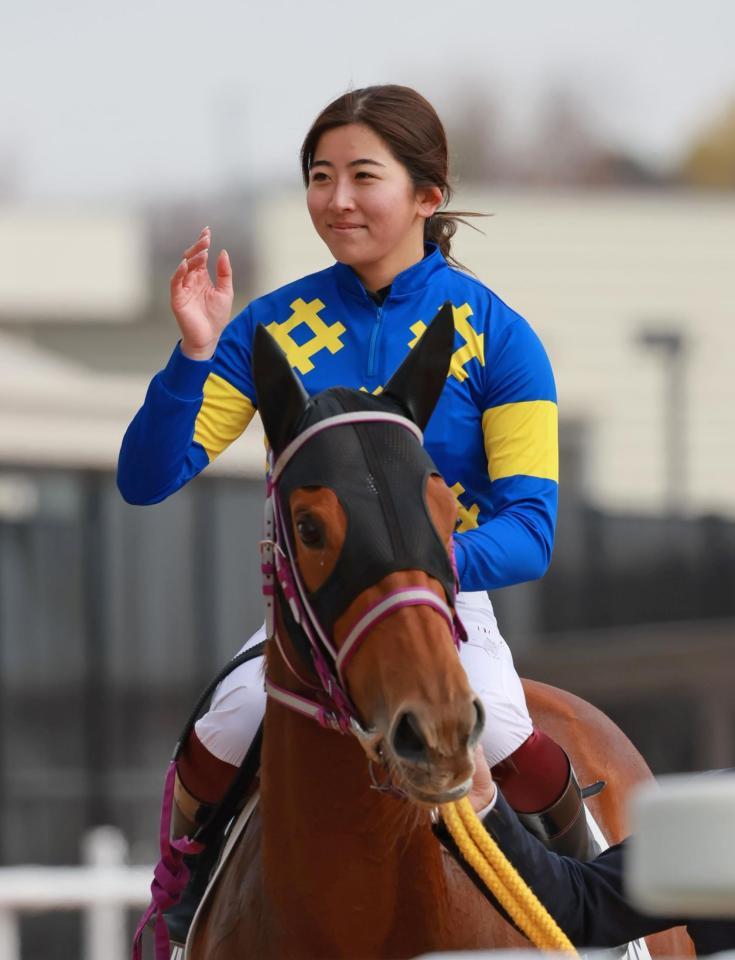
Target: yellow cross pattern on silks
{"x": 468, "y": 518}
{"x": 376, "y": 392}
{"x": 299, "y": 356}
{"x": 474, "y": 342}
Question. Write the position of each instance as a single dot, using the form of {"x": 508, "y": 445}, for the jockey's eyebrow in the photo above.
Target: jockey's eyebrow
{"x": 352, "y": 163}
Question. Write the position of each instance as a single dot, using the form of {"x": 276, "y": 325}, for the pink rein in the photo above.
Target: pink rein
{"x": 169, "y": 877}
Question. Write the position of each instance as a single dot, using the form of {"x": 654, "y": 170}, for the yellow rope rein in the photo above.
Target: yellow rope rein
{"x": 502, "y": 879}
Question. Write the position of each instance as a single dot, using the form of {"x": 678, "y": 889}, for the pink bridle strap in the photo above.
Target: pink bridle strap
{"x": 407, "y": 597}
{"x": 169, "y": 877}
{"x": 342, "y": 419}
{"x": 278, "y": 564}
{"x": 299, "y": 704}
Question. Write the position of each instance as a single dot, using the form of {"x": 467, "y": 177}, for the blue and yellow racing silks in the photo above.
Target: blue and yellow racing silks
{"x": 493, "y": 434}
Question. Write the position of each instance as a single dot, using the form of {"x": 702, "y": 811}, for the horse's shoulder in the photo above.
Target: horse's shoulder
{"x": 581, "y": 727}
{"x": 568, "y": 706}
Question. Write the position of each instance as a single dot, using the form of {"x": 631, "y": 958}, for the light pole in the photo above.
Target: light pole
{"x": 670, "y": 344}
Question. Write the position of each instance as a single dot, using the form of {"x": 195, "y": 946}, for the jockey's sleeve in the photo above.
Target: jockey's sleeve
{"x": 192, "y": 411}
{"x": 514, "y": 541}
{"x": 587, "y": 899}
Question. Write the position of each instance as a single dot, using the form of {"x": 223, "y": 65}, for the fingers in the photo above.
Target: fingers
{"x": 197, "y": 261}
{"x": 195, "y": 258}
{"x": 177, "y": 279}
{"x": 223, "y": 280}
{"x": 202, "y": 243}
{"x": 188, "y": 273}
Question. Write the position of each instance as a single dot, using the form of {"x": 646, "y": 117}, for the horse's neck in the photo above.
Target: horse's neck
{"x": 345, "y": 867}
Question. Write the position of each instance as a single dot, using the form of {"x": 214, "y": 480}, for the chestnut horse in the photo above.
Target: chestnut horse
{"x": 330, "y": 867}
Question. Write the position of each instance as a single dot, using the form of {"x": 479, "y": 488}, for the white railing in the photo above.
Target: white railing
{"x": 682, "y": 851}
{"x": 681, "y": 823}
{"x": 104, "y": 888}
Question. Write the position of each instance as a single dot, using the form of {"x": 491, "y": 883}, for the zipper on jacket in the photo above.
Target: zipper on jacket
{"x": 374, "y": 342}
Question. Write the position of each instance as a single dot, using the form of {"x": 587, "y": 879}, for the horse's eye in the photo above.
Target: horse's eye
{"x": 310, "y": 531}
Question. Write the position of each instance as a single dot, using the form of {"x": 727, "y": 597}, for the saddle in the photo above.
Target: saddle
{"x": 243, "y": 783}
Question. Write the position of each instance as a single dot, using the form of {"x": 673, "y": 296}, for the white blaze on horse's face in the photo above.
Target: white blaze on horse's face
{"x": 406, "y": 679}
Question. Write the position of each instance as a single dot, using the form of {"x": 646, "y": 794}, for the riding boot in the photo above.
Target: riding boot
{"x": 188, "y": 815}
{"x": 562, "y": 827}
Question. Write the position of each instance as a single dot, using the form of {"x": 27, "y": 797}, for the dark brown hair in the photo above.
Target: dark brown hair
{"x": 415, "y": 136}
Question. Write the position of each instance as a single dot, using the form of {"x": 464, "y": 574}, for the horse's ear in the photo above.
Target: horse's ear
{"x": 279, "y": 393}
{"x": 418, "y": 382}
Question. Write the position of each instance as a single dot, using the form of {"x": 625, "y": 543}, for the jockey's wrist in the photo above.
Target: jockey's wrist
{"x": 183, "y": 377}
{"x": 198, "y": 353}
{"x": 481, "y": 814}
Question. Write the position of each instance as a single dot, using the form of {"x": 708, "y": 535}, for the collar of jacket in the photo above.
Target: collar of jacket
{"x": 405, "y": 284}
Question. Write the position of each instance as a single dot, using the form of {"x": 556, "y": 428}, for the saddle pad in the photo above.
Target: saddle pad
{"x": 232, "y": 838}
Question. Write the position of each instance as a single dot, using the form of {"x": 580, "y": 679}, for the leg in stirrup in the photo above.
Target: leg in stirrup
{"x": 211, "y": 757}
{"x": 539, "y": 783}
{"x": 210, "y": 777}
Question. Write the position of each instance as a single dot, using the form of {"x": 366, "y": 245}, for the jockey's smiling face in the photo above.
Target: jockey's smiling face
{"x": 365, "y": 207}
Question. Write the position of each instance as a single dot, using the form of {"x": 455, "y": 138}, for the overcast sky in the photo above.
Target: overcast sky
{"x": 106, "y": 100}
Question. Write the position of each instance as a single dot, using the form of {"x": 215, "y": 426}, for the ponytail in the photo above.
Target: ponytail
{"x": 441, "y": 228}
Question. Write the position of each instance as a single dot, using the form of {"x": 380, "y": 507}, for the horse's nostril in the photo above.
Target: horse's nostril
{"x": 408, "y": 740}
{"x": 479, "y": 722}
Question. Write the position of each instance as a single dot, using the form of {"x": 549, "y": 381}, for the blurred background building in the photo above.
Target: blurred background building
{"x": 617, "y": 244}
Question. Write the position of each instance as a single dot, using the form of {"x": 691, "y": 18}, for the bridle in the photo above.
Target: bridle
{"x": 334, "y": 710}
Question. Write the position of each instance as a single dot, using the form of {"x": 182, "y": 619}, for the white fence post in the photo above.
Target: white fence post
{"x": 104, "y": 924}
{"x": 9, "y": 935}
{"x": 103, "y": 889}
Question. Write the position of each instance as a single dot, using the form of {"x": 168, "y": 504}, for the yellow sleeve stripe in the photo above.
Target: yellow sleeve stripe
{"x": 522, "y": 439}
{"x": 222, "y": 417}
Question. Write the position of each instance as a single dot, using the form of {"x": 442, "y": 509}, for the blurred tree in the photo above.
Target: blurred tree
{"x": 569, "y": 150}
{"x": 565, "y": 145}
{"x": 622, "y": 169}
{"x": 710, "y": 161}
{"x": 563, "y": 149}
{"x": 477, "y": 136}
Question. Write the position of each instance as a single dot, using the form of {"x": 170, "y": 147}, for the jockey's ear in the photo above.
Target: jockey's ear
{"x": 418, "y": 382}
{"x": 279, "y": 393}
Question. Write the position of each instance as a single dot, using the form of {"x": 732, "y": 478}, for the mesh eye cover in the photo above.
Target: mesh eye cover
{"x": 378, "y": 471}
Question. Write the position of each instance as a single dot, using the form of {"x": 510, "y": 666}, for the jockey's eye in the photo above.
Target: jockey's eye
{"x": 310, "y": 530}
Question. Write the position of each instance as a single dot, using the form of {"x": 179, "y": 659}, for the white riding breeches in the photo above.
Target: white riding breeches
{"x": 238, "y": 704}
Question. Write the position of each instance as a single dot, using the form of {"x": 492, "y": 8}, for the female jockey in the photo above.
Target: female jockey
{"x": 376, "y": 173}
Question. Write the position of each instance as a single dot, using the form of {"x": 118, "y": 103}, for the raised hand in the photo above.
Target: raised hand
{"x": 202, "y": 309}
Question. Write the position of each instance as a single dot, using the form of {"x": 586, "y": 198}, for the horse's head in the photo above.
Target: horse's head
{"x": 368, "y": 522}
